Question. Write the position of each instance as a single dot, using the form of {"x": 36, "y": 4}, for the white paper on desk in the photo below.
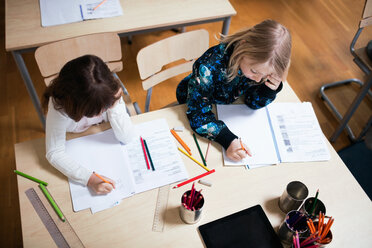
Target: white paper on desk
{"x": 297, "y": 132}
{"x": 103, "y": 154}
{"x": 109, "y": 8}
{"x": 254, "y": 129}
{"x": 56, "y": 12}
{"x": 167, "y": 161}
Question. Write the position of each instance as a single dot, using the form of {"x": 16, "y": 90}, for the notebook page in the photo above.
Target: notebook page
{"x": 297, "y": 132}
{"x": 254, "y": 128}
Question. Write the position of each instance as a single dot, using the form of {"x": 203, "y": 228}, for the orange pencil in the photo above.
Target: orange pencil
{"x": 100, "y": 177}
{"x": 99, "y": 4}
{"x": 327, "y": 228}
{"x": 310, "y": 227}
{"x": 178, "y": 138}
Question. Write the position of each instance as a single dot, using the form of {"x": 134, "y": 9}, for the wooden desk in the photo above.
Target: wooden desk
{"x": 23, "y": 29}
{"x": 234, "y": 189}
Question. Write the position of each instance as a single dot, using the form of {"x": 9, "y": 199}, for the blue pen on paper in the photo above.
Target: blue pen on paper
{"x": 247, "y": 167}
{"x": 81, "y": 12}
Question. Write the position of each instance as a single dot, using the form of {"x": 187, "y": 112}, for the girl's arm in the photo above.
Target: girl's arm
{"x": 260, "y": 96}
{"x": 56, "y": 124}
{"x": 121, "y": 123}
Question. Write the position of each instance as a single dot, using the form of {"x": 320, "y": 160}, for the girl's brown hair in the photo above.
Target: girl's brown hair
{"x": 85, "y": 86}
{"x": 268, "y": 41}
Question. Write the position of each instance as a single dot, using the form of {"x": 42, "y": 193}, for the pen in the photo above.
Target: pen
{"x": 144, "y": 152}
{"x": 200, "y": 152}
{"x": 99, "y": 4}
{"x": 178, "y": 138}
{"x": 30, "y": 177}
{"x": 194, "y": 178}
{"x": 193, "y": 159}
{"x": 100, "y": 177}
{"x": 52, "y": 202}
{"x": 148, "y": 153}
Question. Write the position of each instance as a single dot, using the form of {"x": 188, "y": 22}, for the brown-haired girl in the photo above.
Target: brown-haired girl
{"x": 84, "y": 93}
{"x": 253, "y": 62}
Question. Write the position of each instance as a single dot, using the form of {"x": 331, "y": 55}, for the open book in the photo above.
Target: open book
{"x": 279, "y": 132}
{"x": 57, "y": 12}
{"x": 125, "y": 164}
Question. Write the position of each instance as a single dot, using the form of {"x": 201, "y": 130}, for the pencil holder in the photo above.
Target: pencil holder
{"x": 191, "y": 207}
{"x": 294, "y": 221}
{"x": 293, "y": 196}
{"x": 312, "y": 210}
{"x": 326, "y": 239}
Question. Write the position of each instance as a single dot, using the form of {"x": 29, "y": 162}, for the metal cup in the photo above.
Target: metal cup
{"x": 311, "y": 210}
{"x": 293, "y": 196}
{"x": 294, "y": 221}
{"x": 191, "y": 216}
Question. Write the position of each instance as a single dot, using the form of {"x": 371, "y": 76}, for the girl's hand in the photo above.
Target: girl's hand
{"x": 272, "y": 82}
{"x": 99, "y": 186}
{"x": 235, "y": 151}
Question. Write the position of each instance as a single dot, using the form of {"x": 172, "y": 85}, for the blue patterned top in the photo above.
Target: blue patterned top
{"x": 207, "y": 85}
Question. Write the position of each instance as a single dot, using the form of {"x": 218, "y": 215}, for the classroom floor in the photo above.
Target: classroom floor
{"x": 321, "y": 33}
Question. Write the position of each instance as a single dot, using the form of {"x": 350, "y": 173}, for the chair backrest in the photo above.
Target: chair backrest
{"x": 151, "y": 59}
{"x": 52, "y": 57}
{"x": 362, "y": 59}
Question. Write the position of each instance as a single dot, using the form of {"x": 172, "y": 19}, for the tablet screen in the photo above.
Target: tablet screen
{"x": 247, "y": 228}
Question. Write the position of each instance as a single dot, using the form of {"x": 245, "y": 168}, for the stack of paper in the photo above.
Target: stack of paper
{"x": 280, "y": 132}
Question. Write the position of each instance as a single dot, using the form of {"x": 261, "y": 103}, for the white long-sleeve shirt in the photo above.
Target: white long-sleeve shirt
{"x": 58, "y": 123}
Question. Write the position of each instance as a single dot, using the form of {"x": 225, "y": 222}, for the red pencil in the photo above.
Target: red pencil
{"x": 194, "y": 178}
{"x": 144, "y": 152}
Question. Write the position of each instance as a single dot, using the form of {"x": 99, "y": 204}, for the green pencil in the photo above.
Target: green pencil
{"x": 314, "y": 204}
{"x": 30, "y": 177}
{"x": 52, "y": 202}
{"x": 148, "y": 153}
{"x": 200, "y": 152}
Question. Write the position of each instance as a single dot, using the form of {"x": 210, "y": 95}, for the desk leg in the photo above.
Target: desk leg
{"x": 29, "y": 85}
{"x": 357, "y": 100}
{"x": 226, "y": 26}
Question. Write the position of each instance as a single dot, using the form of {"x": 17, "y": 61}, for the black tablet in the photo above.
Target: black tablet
{"x": 247, "y": 228}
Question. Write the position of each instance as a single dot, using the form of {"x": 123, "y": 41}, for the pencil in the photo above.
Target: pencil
{"x": 100, "y": 177}
{"x": 30, "y": 177}
{"x": 145, "y": 154}
{"x": 148, "y": 153}
{"x": 99, "y": 4}
{"x": 314, "y": 203}
{"x": 194, "y": 178}
{"x": 181, "y": 141}
{"x": 206, "y": 153}
{"x": 200, "y": 152}
{"x": 193, "y": 159}
{"x": 52, "y": 202}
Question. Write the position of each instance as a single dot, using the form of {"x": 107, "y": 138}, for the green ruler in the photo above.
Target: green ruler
{"x": 62, "y": 232}
{"x": 160, "y": 208}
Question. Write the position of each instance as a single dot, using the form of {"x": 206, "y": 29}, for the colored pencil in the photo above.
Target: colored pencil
{"x": 52, "y": 202}
{"x": 99, "y": 4}
{"x": 30, "y": 177}
{"x": 178, "y": 138}
{"x": 200, "y": 152}
{"x": 193, "y": 159}
{"x": 194, "y": 178}
{"x": 206, "y": 153}
{"x": 144, "y": 153}
{"x": 148, "y": 153}
{"x": 314, "y": 203}
{"x": 100, "y": 177}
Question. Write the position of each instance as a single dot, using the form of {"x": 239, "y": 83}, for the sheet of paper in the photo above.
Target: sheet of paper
{"x": 56, "y": 12}
{"x": 254, "y": 129}
{"x": 109, "y": 8}
{"x": 103, "y": 154}
{"x": 167, "y": 161}
{"x": 297, "y": 132}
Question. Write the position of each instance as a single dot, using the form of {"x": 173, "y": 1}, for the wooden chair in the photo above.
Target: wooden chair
{"x": 364, "y": 62}
{"x": 52, "y": 57}
{"x": 151, "y": 59}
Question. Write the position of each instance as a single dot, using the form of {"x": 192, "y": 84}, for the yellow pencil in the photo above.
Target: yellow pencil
{"x": 196, "y": 161}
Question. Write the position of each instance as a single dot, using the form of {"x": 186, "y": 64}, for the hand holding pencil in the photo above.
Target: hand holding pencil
{"x": 238, "y": 150}
{"x": 101, "y": 184}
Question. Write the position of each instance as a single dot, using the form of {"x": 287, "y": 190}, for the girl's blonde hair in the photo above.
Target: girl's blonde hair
{"x": 268, "y": 41}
